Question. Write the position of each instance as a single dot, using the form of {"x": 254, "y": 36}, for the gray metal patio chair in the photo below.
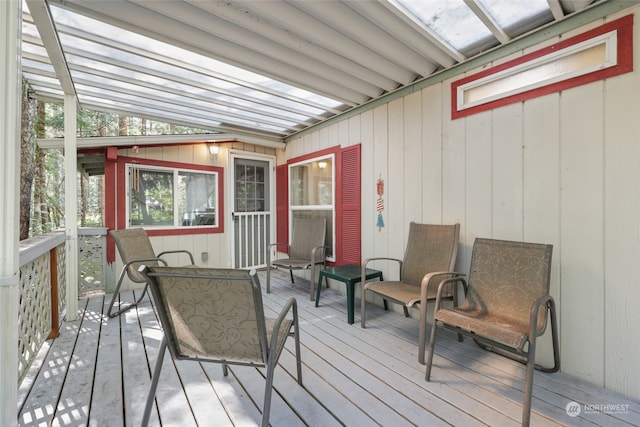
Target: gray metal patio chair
{"x": 307, "y": 250}
{"x": 506, "y": 304}
{"x": 430, "y": 256}
{"x": 216, "y": 315}
{"x": 135, "y": 250}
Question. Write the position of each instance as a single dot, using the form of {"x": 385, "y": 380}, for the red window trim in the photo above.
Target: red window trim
{"x": 121, "y": 194}
{"x": 624, "y": 26}
{"x": 321, "y": 153}
{"x": 341, "y": 232}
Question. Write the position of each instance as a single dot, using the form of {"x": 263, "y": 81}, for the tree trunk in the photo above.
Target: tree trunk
{"x": 27, "y": 159}
{"x": 122, "y": 126}
{"x": 41, "y": 214}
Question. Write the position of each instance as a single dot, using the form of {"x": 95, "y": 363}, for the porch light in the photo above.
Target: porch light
{"x": 322, "y": 165}
{"x": 214, "y": 150}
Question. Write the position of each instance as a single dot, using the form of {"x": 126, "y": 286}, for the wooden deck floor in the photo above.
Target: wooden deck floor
{"x": 98, "y": 373}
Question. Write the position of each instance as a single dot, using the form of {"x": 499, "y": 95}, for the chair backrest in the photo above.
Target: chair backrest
{"x": 210, "y": 314}
{"x": 133, "y": 244}
{"x": 308, "y": 233}
{"x": 430, "y": 248}
{"x": 507, "y": 277}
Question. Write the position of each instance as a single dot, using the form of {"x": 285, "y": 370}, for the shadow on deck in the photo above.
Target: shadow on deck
{"x": 98, "y": 373}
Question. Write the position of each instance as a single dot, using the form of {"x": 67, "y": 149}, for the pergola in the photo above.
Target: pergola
{"x": 260, "y": 72}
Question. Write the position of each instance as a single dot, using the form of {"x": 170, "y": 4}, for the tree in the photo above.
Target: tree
{"x": 42, "y": 171}
{"x": 27, "y": 163}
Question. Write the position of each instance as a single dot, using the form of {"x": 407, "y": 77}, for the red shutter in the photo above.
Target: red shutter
{"x": 348, "y": 223}
{"x": 282, "y": 204}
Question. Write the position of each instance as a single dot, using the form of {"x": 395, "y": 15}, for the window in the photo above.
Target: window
{"x": 162, "y": 197}
{"x": 312, "y": 193}
{"x": 597, "y": 54}
{"x": 336, "y": 174}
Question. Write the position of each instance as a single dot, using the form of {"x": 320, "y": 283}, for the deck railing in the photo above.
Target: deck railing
{"x": 43, "y": 285}
{"x": 42, "y": 294}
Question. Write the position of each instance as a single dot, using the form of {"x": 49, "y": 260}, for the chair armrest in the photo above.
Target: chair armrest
{"x": 136, "y": 261}
{"x": 533, "y": 321}
{"x": 291, "y": 305}
{"x": 442, "y": 284}
{"x": 277, "y": 244}
{"x": 269, "y": 251}
{"x": 177, "y": 251}
{"x": 315, "y": 250}
{"x": 424, "y": 285}
{"x": 368, "y": 260}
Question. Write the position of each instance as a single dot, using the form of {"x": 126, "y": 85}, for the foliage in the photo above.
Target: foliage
{"x": 47, "y": 198}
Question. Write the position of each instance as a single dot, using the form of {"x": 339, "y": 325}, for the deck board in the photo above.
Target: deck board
{"x": 107, "y": 391}
{"x": 98, "y": 373}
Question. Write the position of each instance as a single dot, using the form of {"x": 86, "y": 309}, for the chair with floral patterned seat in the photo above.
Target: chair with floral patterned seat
{"x": 134, "y": 247}
{"x": 506, "y": 306}
{"x": 216, "y": 315}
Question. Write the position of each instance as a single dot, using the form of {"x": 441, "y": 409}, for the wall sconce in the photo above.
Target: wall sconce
{"x": 214, "y": 150}
{"x": 322, "y": 165}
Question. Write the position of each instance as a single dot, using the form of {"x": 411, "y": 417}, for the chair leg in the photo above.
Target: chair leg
{"x": 296, "y": 339}
{"x": 268, "y": 391}
{"x": 363, "y": 305}
{"x": 268, "y": 278}
{"x": 154, "y": 383}
{"x": 291, "y": 274}
{"x": 528, "y": 386}
{"x": 422, "y": 333}
{"x": 116, "y": 292}
{"x": 312, "y": 283}
{"x": 455, "y": 304}
{"x": 432, "y": 346}
{"x": 554, "y": 337}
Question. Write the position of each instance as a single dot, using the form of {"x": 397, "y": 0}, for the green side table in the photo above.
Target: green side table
{"x": 349, "y": 274}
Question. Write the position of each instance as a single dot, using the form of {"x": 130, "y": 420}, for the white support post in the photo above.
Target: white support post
{"x": 10, "y": 89}
{"x": 71, "y": 203}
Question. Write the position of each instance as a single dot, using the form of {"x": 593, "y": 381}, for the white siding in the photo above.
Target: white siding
{"x": 216, "y": 245}
{"x": 561, "y": 169}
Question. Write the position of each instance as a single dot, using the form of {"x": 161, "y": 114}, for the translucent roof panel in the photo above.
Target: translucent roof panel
{"x": 451, "y": 20}
{"x": 260, "y": 69}
{"x": 116, "y": 60}
{"x": 458, "y": 25}
{"x": 509, "y": 13}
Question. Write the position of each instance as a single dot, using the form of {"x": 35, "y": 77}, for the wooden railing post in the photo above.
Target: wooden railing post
{"x": 55, "y": 315}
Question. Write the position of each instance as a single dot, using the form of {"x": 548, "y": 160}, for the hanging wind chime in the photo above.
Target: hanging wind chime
{"x": 135, "y": 172}
{"x": 380, "y": 203}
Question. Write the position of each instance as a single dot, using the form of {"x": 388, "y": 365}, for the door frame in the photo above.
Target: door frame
{"x": 230, "y": 194}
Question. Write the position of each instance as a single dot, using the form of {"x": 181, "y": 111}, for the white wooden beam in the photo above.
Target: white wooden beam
{"x": 71, "y": 203}
{"x": 319, "y": 33}
{"x": 483, "y": 14}
{"x": 130, "y": 140}
{"x": 10, "y": 85}
{"x": 44, "y": 22}
{"x": 238, "y": 14}
{"x": 556, "y": 9}
{"x": 401, "y": 12}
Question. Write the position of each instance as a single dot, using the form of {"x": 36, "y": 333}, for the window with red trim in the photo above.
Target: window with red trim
{"x": 327, "y": 184}
{"x": 168, "y": 197}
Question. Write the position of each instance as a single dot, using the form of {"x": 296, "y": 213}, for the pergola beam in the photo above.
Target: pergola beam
{"x": 131, "y": 140}
{"x": 44, "y": 22}
{"x": 10, "y": 84}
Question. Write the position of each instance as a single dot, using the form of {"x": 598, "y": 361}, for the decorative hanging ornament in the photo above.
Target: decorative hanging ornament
{"x": 380, "y": 203}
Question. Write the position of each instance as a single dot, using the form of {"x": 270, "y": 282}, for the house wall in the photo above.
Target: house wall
{"x": 561, "y": 169}
{"x": 216, "y": 245}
